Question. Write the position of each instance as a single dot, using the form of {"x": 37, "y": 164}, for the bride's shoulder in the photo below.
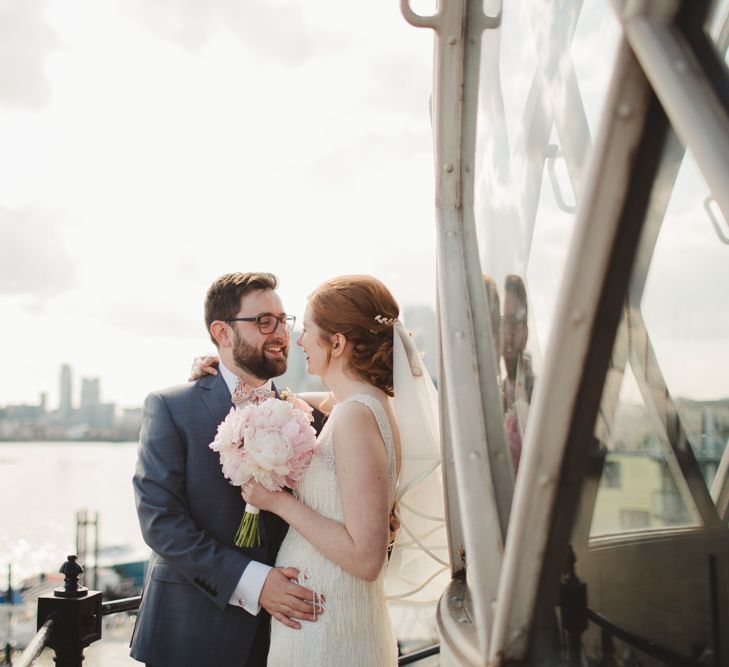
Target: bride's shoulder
{"x": 354, "y": 412}
{"x": 357, "y": 416}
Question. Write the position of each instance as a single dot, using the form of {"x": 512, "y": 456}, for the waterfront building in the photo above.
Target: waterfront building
{"x": 65, "y": 403}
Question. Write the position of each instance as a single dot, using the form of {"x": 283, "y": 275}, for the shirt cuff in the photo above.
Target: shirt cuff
{"x": 249, "y": 587}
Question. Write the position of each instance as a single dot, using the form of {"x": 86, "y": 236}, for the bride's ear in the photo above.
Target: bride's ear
{"x": 339, "y": 344}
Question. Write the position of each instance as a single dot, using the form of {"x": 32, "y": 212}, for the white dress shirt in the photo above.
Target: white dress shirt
{"x": 251, "y": 582}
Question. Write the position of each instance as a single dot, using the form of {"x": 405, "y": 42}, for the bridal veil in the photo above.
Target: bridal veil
{"x": 419, "y": 568}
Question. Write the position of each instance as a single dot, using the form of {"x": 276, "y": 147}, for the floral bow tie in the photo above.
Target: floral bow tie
{"x": 244, "y": 393}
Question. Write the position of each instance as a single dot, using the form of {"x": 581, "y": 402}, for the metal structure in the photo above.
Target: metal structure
{"x": 669, "y": 91}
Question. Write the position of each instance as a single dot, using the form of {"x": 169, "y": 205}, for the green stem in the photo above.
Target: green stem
{"x": 248, "y": 534}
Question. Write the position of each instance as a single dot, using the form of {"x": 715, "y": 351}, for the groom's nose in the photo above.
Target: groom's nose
{"x": 281, "y": 329}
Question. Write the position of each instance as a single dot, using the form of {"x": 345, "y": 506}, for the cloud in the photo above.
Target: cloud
{"x": 277, "y": 29}
{"x": 26, "y": 38}
{"x": 397, "y": 82}
{"x": 33, "y": 260}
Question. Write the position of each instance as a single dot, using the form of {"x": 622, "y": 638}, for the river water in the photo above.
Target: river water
{"x": 44, "y": 484}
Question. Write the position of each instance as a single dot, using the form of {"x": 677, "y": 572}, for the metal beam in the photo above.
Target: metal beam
{"x": 469, "y": 401}
{"x": 691, "y": 100}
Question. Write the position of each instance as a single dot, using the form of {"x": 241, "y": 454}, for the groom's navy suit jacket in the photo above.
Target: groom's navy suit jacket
{"x": 189, "y": 514}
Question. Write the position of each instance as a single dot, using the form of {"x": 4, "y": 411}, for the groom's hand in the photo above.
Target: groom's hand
{"x": 286, "y": 600}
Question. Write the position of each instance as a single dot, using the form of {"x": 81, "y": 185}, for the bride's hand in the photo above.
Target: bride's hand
{"x": 201, "y": 366}
{"x": 259, "y": 496}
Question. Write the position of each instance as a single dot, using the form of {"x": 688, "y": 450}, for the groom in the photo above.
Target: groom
{"x": 205, "y": 601}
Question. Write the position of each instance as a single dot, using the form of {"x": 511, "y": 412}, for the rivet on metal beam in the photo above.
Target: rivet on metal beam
{"x": 449, "y": 167}
{"x": 624, "y": 110}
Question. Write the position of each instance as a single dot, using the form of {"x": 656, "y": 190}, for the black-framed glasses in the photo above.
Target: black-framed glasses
{"x": 267, "y": 322}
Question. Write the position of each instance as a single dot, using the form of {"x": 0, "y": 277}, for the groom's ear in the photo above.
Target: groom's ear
{"x": 221, "y": 332}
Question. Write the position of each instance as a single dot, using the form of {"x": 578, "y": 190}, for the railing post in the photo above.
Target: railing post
{"x": 572, "y": 609}
{"x": 77, "y": 615}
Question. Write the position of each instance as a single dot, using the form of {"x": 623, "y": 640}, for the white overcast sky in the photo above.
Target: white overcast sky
{"x": 148, "y": 147}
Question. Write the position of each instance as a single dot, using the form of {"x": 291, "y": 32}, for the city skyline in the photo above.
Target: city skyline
{"x": 70, "y": 395}
{"x": 80, "y": 414}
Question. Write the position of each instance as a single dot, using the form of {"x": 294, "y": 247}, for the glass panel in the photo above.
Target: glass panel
{"x": 686, "y": 316}
{"x": 543, "y": 85}
{"x": 637, "y": 488}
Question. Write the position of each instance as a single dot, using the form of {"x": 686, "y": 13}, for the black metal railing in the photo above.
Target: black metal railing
{"x": 611, "y": 630}
{"x": 70, "y": 620}
{"x": 118, "y": 606}
{"x": 574, "y": 618}
{"x": 416, "y": 656}
{"x": 37, "y": 645}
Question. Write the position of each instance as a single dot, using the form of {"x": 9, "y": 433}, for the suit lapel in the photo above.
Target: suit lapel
{"x": 216, "y": 396}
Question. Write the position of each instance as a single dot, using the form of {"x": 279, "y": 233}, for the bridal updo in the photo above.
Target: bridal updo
{"x": 362, "y": 309}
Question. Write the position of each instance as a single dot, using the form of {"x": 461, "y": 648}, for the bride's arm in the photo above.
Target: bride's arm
{"x": 359, "y": 544}
{"x": 319, "y": 400}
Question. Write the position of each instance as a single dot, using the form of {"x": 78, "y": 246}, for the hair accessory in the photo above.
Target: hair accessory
{"x": 387, "y": 321}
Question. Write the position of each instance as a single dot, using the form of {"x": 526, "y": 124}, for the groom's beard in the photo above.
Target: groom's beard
{"x": 256, "y": 362}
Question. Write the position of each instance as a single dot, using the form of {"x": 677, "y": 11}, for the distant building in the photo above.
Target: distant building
{"x": 65, "y": 402}
{"x": 90, "y": 392}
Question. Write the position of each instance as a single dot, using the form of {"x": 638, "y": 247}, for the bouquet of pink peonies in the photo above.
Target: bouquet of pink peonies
{"x": 271, "y": 442}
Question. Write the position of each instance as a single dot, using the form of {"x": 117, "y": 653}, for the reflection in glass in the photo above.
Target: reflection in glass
{"x": 510, "y": 331}
{"x": 637, "y": 488}
{"x": 538, "y": 107}
{"x": 684, "y": 307}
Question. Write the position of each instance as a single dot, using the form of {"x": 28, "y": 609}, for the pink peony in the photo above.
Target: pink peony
{"x": 271, "y": 442}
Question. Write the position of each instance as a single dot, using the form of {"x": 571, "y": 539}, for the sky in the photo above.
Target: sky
{"x": 148, "y": 147}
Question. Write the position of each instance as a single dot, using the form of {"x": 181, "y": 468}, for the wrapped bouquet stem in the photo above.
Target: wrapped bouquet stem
{"x": 271, "y": 442}
{"x": 249, "y": 534}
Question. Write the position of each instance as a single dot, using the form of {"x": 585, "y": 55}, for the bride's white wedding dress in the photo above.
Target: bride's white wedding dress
{"x": 355, "y": 628}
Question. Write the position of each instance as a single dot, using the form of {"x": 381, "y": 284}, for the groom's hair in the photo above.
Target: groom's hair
{"x": 223, "y": 298}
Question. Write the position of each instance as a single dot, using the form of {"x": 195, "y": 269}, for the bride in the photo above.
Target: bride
{"x": 339, "y": 514}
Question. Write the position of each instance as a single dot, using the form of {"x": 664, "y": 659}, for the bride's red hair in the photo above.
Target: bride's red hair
{"x": 349, "y": 305}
